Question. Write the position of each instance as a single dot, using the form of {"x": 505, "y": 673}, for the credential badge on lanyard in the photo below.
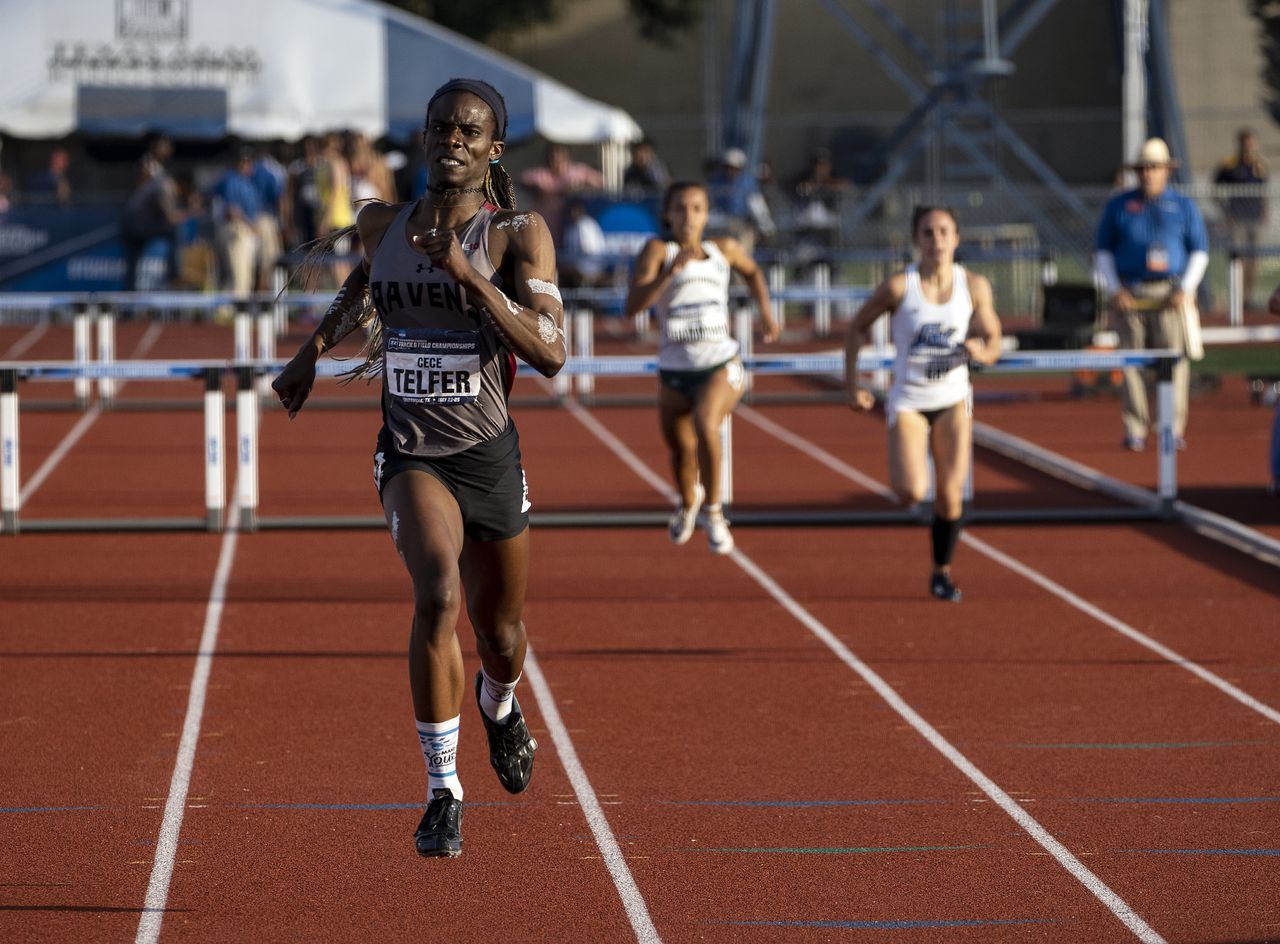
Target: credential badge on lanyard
{"x": 1157, "y": 258}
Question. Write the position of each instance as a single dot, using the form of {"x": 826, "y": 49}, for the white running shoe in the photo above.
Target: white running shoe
{"x": 683, "y": 520}
{"x": 718, "y": 537}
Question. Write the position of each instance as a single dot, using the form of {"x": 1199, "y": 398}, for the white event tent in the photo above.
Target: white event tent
{"x": 264, "y": 69}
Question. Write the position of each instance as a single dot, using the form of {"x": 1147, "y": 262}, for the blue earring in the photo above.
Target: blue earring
{"x": 494, "y": 161}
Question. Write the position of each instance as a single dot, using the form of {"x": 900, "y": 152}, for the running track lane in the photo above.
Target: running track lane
{"x": 1241, "y": 768}
{"x": 99, "y": 634}
{"x": 608, "y": 668}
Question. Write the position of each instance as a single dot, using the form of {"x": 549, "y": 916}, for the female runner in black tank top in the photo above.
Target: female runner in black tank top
{"x": 465, "y": 125}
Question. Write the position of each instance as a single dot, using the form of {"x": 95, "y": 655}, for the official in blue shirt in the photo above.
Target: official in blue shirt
{"x": 238, "y": 207}
{"x": 1151, "y": 253}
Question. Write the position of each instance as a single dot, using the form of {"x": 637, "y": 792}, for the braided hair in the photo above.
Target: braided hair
{"x": 499, "y": 188}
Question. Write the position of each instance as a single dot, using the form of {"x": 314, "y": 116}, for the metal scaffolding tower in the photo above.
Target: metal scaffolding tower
{"x": 953, "y": 124}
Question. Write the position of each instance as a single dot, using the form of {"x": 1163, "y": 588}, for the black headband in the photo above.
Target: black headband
{"x": 483, "y": 91}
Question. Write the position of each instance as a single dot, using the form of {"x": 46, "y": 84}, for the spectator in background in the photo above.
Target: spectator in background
{"x": 1246, "y": 210}
{"x": 583, "y": 248}
{"x": 551, "y": 184}
{"x": 6, "y": 189}
{"x": 54, "y": 182}
{"x": 302, "y": 208}
{"x": 371, "y": 179}
{"x": 1151, "y": 253}
{"x": 333, "y": 179}
{"x": 397, "y": 164}
{"x": 151, "y": 212}
{"x": 336, "y": 208}
{"x": 818, "y": 195}
{"x": 197, "y": 259}
{"x": 646, "y": 175}
{"x": 236, "y": 213}
{"x": 268, "y": 177}
{"x": 737, "y": 207}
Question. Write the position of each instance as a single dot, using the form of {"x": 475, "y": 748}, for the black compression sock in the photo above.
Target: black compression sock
{"x": 945, "y": 534}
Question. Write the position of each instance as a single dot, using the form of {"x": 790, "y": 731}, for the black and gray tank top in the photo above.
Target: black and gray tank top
{"x": 447, "y": 373}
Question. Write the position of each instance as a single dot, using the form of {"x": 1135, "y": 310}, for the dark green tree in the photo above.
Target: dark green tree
{"x": 481, "y": 19}
{"x": 663, "y": 20}
{"x": 657, "y": 20}
{"x": 1268, "y": 15}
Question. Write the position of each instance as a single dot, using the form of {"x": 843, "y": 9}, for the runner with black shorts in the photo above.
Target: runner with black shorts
{"x": 457, "y": 285}
{"x": 942, "y": 318}
{"x": 686, "y": 281}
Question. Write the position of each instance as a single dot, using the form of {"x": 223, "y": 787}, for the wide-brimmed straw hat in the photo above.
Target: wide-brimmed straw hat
{"x": 1154, "y": 152}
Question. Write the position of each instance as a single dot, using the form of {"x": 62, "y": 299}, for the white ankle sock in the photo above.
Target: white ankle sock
{"x": 495, "y": 697}
{"x": 439, "y": 740}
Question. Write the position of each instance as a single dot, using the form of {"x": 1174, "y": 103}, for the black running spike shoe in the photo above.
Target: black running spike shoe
{"x": 940, "y": 586}
{"x": 440, "y": 832}
{"x": 510, "y": 745}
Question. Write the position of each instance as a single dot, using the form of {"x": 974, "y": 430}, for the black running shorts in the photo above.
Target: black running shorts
{"x": 689, "y": 382}
{"x": 487, "y": 481}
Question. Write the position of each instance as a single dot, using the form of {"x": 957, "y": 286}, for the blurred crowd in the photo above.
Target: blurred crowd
{"x": 226, "y": 224}
{"x": 232, "y": 232}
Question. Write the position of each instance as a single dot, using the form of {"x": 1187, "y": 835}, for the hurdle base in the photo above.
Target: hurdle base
{"x": 77, "y": 525}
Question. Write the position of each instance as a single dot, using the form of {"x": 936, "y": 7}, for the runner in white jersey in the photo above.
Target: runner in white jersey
{"x": 942, "y": 318}
{"x": 685, "y": 280}
{"x": 460, "y": 284}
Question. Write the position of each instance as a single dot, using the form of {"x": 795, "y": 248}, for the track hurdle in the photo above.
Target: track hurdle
{"x": 246, "y": 448}
{"x": 82, "y": 350}
{"x": 106, "y": 325}
{"x": 584, "y": 347}
{"x": 9, "y": 451}
{"x": 215, "y": 474}
{"x": 213, "y": 445}
{"x": 1162, "y": 504}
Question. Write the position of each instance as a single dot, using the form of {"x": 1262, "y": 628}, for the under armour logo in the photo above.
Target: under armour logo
{"x": 430, "y": 267}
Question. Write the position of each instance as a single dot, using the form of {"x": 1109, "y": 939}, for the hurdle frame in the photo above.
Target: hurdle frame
{"x": 247, "y": 373}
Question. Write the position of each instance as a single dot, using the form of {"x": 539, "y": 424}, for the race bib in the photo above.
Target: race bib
{"x": 703, "y": 321}
{"x": 433, "y": 366}
{"x": 934, "y": 354}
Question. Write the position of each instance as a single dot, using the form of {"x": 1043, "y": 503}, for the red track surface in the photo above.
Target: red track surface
{"x": 760, "y": 789}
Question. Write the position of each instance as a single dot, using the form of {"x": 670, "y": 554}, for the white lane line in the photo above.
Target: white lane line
{"x": 634, "y": 903}
{"x": 1044, "y": 582}
{"x": 167, "y": 841}
{"x": 632, "y": 899}
{"x": 1123, "y": 628}
{"x": 814, "y": 451}
{"x": 25, "y": 343}
{"x": 1096, "y": 887}
{"x": 1099, "y": 889}
{"x": 634, "y": 462}
{"x": 76, "y": 433}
